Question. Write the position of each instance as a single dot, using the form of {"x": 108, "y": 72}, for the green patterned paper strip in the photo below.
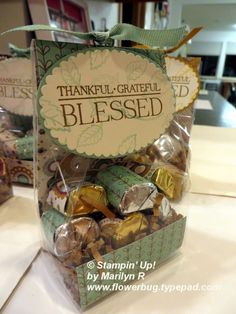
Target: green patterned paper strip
{"x": 51, "y": 220}
{"x": 157, "y": 38}
{"x": 117, "y": 180}
{"x": 155, "y": 248}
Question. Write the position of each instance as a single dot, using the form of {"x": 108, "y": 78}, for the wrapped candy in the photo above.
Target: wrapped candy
{"x": 170, "y": 180}
{"x": 138, "y": 163}
{"x": 5, "y": 183}
{"x": 156, "y": 223}
{"x": 168, "y": 150}
{"x": 76, "y": 199}
{"x": 162, "y": 215}
{"x": 126, "y": 191}
{"x": 130, "y": 229}
{"x": 161, "y": 207}
{"x": 108, "y": 227}
{"x": 70, "y": 241}
{"x": 75, "y": 235}
{"x": 51, "y": 220}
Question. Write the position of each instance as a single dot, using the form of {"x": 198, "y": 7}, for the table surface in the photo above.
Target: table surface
{"x": 213, "y": 162}
{"x": 205, "y": 263}
{"x": 19, "y": 239}
{"x": 206, "y": 260}
{"x": 223, "y": 113}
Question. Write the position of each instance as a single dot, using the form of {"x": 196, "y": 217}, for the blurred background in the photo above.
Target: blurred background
{"x": 215, "y": 44}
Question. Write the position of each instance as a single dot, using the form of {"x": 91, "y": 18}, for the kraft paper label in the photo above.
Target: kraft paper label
{"x": 185, "y": 81}
{"x": 90, "y": 111}
{"x": 16, "y": 90}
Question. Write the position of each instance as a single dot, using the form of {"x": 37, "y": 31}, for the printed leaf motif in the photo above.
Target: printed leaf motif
{"x": 135, "y": 70}
{"x": 57, "y": 56}
{"x": 90, "y": 136}
{"x": 45, "y": 50}
{"x": 44, "y": 61}
{"x": 48, "y": 111}
{"x": 70, "y": 73}
{"x": 48, "y": 64}
{"x": 128, "y": 145}
{"x": 107, "y": 79}
{"x": 59, "y": 45}
{"x": 98, "y": 58}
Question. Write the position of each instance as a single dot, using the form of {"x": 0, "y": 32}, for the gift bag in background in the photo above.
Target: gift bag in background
{"x": 16, "y": 135}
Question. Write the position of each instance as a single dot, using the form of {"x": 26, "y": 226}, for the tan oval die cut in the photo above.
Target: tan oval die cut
{"x": 106, "y": 119}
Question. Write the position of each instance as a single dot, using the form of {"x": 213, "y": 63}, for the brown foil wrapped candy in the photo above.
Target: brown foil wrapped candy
{"x": 169, "y": 150}
{"x": 73, "y": 166}
{"x": 132, "y": 228}
{"x": 72, "y": 238}
{"x": 108, "y": 227}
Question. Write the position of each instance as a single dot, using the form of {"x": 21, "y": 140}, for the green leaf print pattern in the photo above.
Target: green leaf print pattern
{"x": 90, "y": 136}
{"x": 128, "y": 145}
{"x": 135, "y": 70}
{"x": 70, "y": 73}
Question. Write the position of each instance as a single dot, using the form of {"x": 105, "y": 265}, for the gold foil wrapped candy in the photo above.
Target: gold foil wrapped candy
{"x": 75, "y": 199}
{"x": 170, "y": 181}
{"x": 87, "y": 199}
{"x": 132, "y": 228}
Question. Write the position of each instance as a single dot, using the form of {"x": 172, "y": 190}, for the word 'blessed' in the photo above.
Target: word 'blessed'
{"x": 108, "y": 103}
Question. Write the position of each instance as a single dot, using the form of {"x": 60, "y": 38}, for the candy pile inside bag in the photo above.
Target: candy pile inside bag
{"x": 108, "y": 203}
{"x": 96, "y": 206}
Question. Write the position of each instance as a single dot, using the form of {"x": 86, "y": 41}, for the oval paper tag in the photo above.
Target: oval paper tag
{"x": 16, "y": 90}
{"x": 104, "y": 102}
{"x": 185, "y": 81}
